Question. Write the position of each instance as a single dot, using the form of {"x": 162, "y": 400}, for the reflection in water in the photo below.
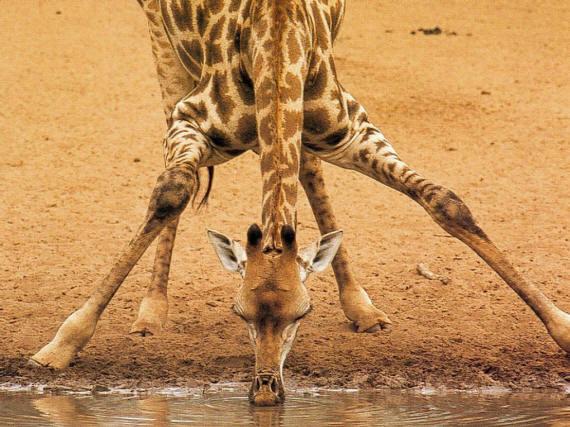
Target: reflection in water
{"x": 156, "y": 408}
{"x": 324, "y": 408}
{"x": 62, "y": 410}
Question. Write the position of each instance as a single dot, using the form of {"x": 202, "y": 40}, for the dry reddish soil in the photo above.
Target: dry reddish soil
{"x": 484, "y": 111}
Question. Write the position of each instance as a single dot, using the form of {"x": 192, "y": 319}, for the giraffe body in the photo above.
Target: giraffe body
{"x": 259, "y": 75}
{"x": 281, "y": 51}
{"x": 216, "y": 53}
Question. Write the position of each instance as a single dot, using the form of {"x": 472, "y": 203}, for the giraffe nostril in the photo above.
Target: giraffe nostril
{"x": 267, "y": 382}
{"x": 266, "y": 389}
{"x": 274, "y": 386}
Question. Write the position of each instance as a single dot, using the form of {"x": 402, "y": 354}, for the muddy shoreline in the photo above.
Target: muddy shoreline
{"x": 90, "y": 375}
{"x": 243, "y": 387}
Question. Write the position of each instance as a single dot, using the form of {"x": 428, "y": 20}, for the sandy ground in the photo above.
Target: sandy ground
{"x": 484, "y": 112}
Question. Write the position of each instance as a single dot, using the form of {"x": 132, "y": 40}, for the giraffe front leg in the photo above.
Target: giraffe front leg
{"x": 153, "y": 310}
{"x": 168, "y": 199}
{"x": 354, "y": 300}
{"x": 370, "y": 153}
{"x": 175, "y": 187}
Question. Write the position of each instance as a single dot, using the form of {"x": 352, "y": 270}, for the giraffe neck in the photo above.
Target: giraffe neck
{"x": 278, "y": 50}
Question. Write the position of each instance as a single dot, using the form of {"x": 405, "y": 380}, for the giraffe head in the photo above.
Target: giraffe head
{"x": 272, "y": 298}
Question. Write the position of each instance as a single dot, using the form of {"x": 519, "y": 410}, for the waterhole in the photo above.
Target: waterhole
{"x": 323, "y": 408}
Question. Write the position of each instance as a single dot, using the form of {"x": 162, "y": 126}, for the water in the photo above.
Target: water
{"x": 301, "y": 409}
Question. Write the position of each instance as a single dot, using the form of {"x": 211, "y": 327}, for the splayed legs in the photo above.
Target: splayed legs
{"x": 370, "y": 153}
{"x": 173, "y": 190}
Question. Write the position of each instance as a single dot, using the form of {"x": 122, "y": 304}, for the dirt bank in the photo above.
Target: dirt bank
{"x": 484, "y": 111}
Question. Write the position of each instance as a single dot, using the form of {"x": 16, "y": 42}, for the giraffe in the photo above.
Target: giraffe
{"x": 240, "y": 75}
{"x": 177, "y": 79}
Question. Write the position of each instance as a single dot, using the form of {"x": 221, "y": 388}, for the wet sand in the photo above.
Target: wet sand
{"x": 483, "y": 111}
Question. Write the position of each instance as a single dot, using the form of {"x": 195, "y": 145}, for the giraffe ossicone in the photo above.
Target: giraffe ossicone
{"x": 240, "y": 75}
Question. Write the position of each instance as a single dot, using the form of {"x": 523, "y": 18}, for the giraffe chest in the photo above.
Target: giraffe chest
{"x": 223, "y": 107}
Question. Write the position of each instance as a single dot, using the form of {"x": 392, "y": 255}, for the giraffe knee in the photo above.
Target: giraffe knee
{"x": 452, "y": 213}
{"x": 173, "y": 190}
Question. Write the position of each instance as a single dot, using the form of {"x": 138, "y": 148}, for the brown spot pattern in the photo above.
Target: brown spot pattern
{"x": 244, "y": 55}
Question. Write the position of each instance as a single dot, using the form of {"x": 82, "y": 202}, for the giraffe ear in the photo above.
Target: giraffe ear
{"x": 320, "y": 254}
{"x": 231, "y": 253}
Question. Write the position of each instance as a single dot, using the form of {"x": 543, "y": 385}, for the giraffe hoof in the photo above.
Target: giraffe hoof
{"x": 152, "y": 316}
{"x": 387, "y": 327}
{"x": 367, "y": 318}
{"x": 52, "y": 358}
{"x": 145, "y": 328}
{"x": 71, "y": 337}
{"x": 34, "y": 364}
{"x": 372, "y": 325}
{"x": 364, "y": 315}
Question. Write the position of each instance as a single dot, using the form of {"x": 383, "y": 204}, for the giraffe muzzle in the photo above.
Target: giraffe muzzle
{"x": 267, "y": 389}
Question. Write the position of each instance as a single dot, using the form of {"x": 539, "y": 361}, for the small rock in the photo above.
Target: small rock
{"x": 136, "y": 160}
{"x": 435, "y": 31}
{"x": 321, "y": 372}
{"x": 99, "y": 389}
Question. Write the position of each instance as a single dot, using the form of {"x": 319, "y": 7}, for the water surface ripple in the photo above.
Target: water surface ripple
{"x": 301, "y": 409}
